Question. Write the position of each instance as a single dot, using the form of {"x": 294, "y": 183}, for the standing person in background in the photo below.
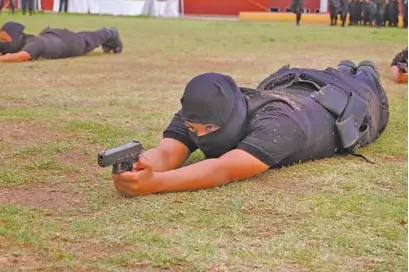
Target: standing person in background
{"x": 338, "y": 7}
{"x": 360, "y": 12}
{"x": 353, "y": 12}
{"x": 344, "y": 11}
{"x": 405, "y": 13}
{"x": 65, "y": 4}
{"x": 380, "y": 11}
{"x": 394, "y": 13}
{"x": 387, "y": 14}
{"x": 30, "y": 4}
{"x": 11, "y": 5}
{"x": 297, "y": 8}
{"x": 334, "y": 7}
{"x": 369, "y": 12}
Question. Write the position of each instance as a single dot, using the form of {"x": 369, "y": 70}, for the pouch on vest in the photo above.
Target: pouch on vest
{"x": 353, "y": 116}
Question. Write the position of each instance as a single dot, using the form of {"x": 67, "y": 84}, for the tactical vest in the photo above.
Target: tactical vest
{"x": 361, "y": 112}
{"x": 62, "y": 43}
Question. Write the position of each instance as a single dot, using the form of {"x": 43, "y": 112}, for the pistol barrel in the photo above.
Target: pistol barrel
{"x": 119, "y": 154}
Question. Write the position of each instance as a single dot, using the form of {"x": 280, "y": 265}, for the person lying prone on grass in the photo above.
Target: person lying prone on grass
{"x": 294, "y": 115}
{"x": 54, "y": 43}
{"x": 399, "y": 67}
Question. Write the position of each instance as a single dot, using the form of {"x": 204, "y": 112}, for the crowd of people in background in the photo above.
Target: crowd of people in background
{"x": 31, "y": 5}
{"x": 361, "y": 12}
{"x": 369, "y": 12}
{"x": 25, "y": 4}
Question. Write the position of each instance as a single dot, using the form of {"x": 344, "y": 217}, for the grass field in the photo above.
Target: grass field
{"x": 59, "y": 211}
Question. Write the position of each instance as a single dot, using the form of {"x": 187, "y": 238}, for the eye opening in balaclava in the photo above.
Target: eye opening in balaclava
{"x": 214, "y": 98}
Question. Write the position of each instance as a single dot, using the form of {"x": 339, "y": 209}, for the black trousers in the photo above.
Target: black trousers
{"x": 297, "y": 8}
{"x": 29, "y": 4}
{"x": 65, "y": 4}
{"x": 64, "y": 43}
{"x": 94, "y": 39}
{"x": 405, "y": 13}
{"x": 380, "y": 11}
{"x": 394, "y": 13}
{"x": 11, "y": 5}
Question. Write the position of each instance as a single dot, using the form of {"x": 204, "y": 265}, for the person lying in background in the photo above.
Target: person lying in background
{"x": 54, "y": 43}
{"x": 399, "y": 67}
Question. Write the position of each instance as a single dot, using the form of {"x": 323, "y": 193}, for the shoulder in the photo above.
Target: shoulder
{"x": 34, "y": 46}
{"x": 34, "y": 41}
{"x": 273, "y": 134}
{"x": 271, "y": 116}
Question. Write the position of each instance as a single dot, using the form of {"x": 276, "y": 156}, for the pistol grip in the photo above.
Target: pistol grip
{"x": 121, "y": 167}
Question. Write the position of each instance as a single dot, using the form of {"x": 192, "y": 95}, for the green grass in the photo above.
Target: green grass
{"x": 60, "y": 212}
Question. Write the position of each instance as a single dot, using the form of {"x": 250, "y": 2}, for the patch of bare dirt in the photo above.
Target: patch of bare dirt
{"x": 14, "y": 260}
{"x": 393, "y": 159}
{"x": 20, "y": 262}
{"x": 74, "y": 157}
{"x": 11, "y": 103}
{"x": 293, "y": 186}
{"x": 24, "y": 133}
{"x": 45, "y": 196}
{"x": 226, "y": 267}
{"x": 366, "y": 263}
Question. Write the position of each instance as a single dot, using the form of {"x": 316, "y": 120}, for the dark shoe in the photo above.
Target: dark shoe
{"x": 369, "y": 68}
{"x": 114, "y": 43}
{"x": 347, "y": 66}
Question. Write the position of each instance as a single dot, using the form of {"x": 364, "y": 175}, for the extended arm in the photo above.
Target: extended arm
{"x": 234, "y": 165}
{"x": 16, "y": 57}
{"x": 168, "y": 155}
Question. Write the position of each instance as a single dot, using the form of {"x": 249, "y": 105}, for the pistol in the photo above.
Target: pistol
{"x": 121, "y": 158}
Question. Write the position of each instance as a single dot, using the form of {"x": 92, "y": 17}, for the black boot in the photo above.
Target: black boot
{"x": 114, "y": 43}
{"x": 369, "y": 68}
{"x": 347, "y": 66}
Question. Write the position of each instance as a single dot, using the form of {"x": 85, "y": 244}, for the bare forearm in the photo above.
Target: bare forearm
{"x": 17, "y": 57}
{"x": 201, "y": 175}
{"x": 160, "y": 160}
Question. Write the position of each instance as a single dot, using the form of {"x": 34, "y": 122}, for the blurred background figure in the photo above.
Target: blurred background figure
{"x": 387, "y": 13}
{"x": 29, "y": 4}
{"x": 405, "y": 13}
{"x": 353, "y": 12}
{"x": 380, "y": 11}
{"x": 394, "y": 13}
{"x": 338, "y": 7}
{"x": 369, "y": 12}
{"x": 11, "y": 5}
{"x": 65, "y": 4}
{"x": 391, "y": 15}
{"x": 297, "y": 8}
{"x": 360, "y": 12}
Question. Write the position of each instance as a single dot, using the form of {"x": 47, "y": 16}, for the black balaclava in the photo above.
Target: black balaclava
{"x": 15, "y": 30}
{"x": 213, "y": 98}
